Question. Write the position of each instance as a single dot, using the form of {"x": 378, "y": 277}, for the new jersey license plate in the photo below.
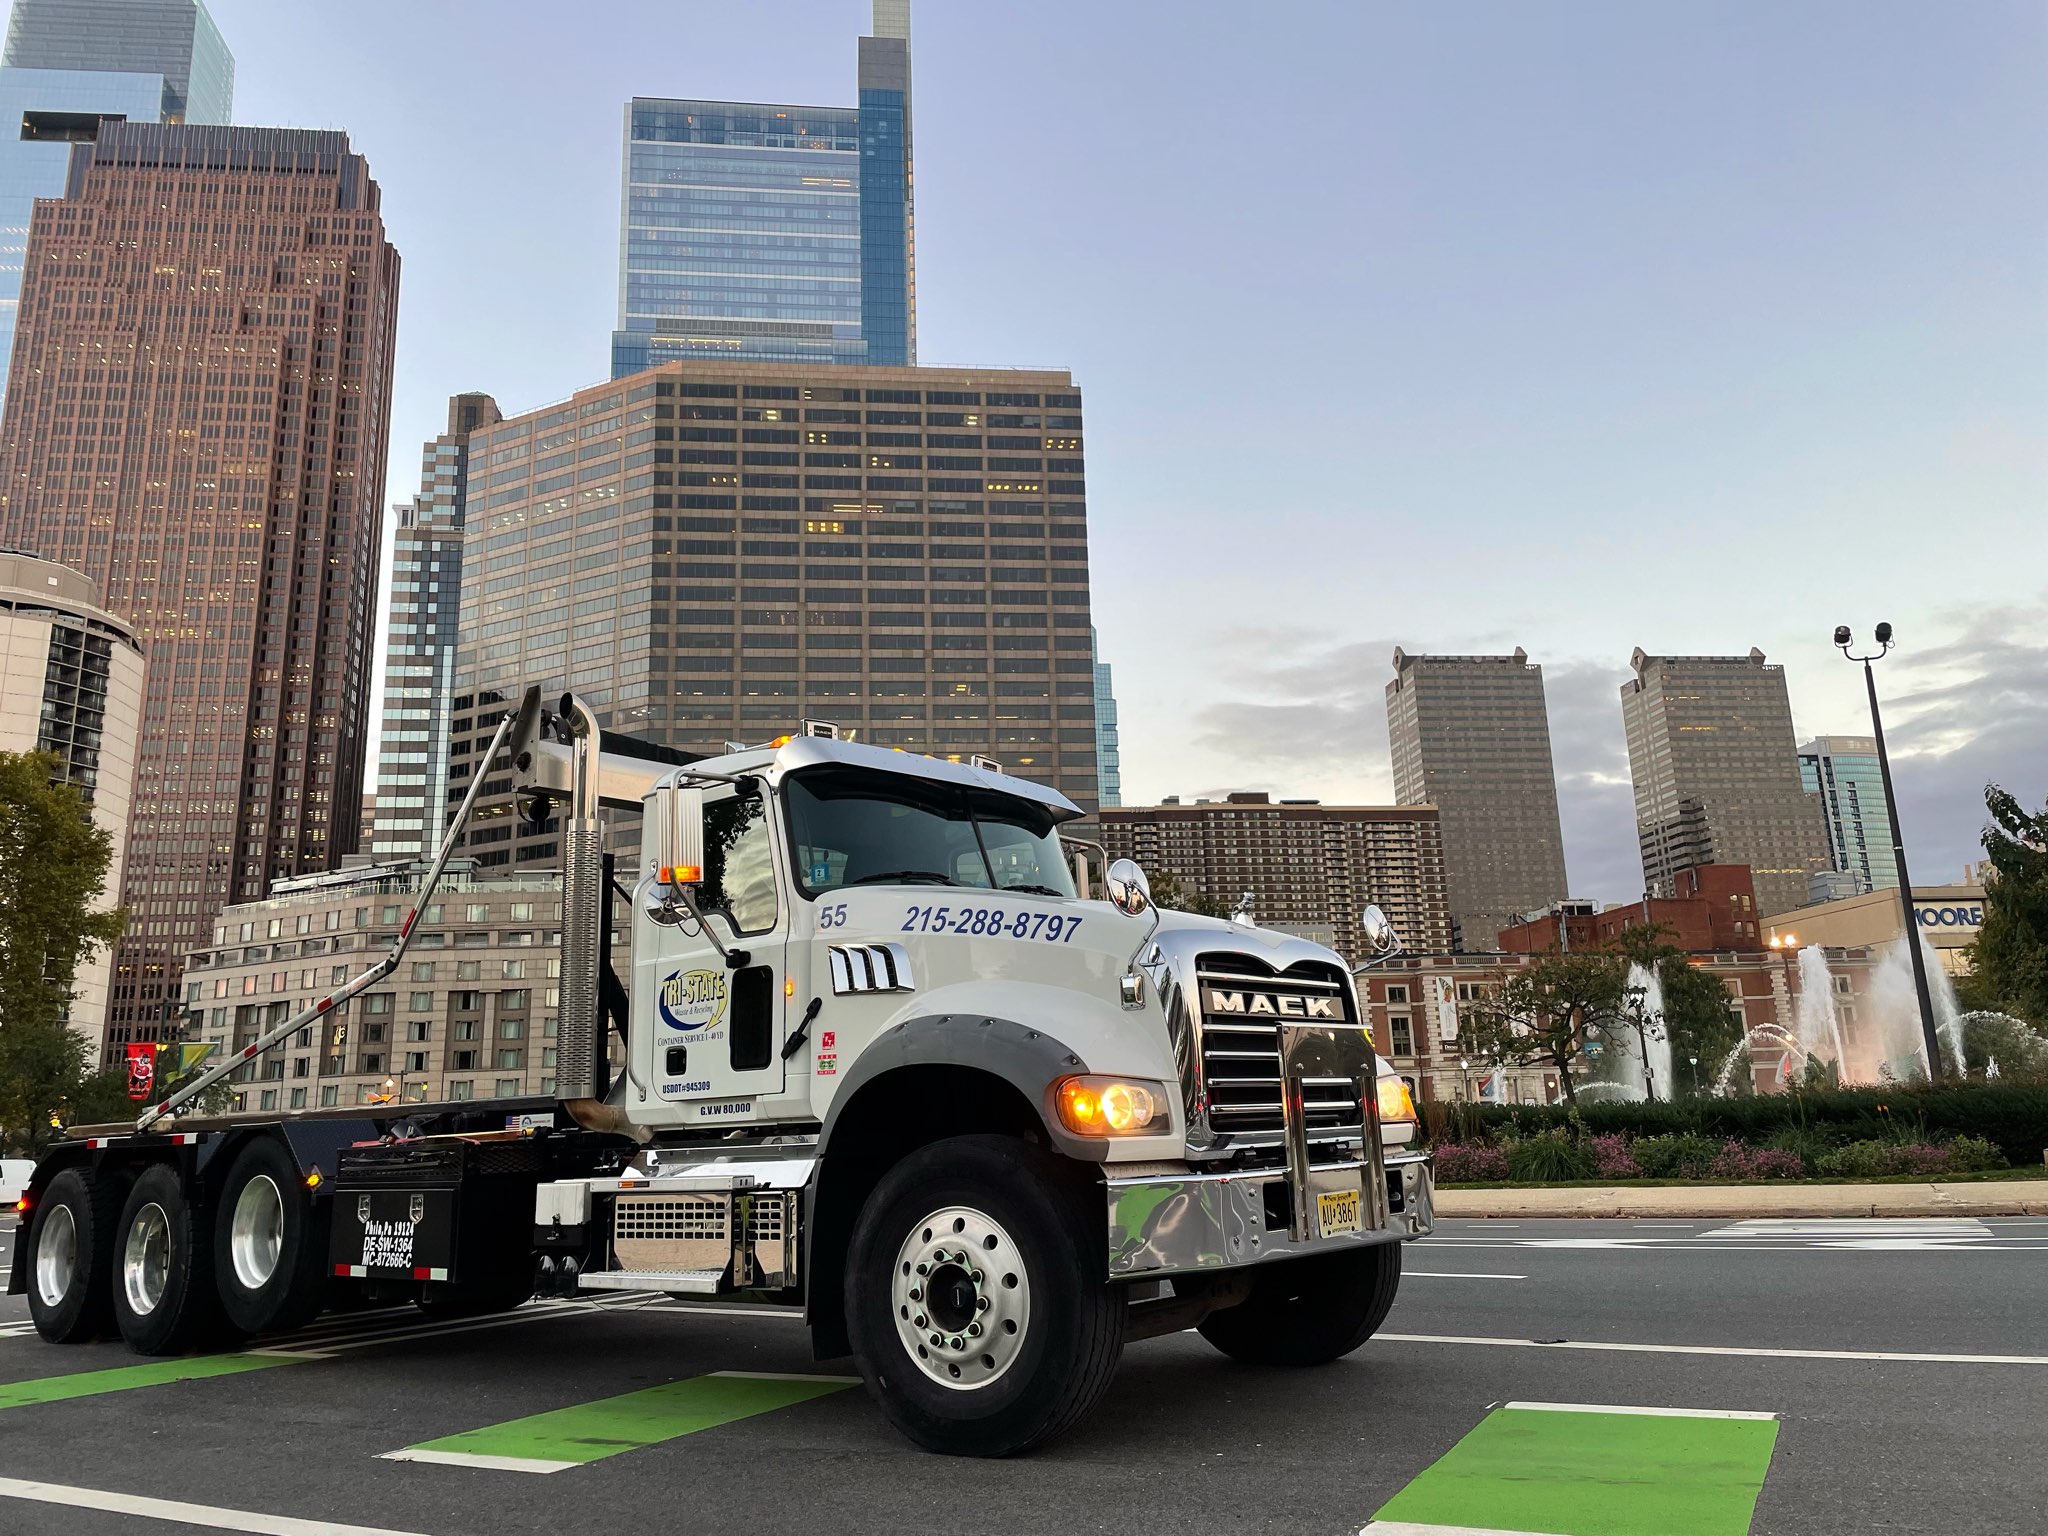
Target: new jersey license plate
{"x": 1337, "y": 1211}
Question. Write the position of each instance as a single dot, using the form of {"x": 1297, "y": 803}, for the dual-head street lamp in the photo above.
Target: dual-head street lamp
{"x": 1844, "y": 640}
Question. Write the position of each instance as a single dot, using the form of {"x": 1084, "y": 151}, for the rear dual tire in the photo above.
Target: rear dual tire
{"x": 269, "y": 1248}
{"x": 71, "y": 1246}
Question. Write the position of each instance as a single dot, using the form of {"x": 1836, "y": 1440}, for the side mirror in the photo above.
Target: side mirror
{"x": 678, "y": 836}
{"x": 1380, "y": 936}
{"x": 1128, "y": 889}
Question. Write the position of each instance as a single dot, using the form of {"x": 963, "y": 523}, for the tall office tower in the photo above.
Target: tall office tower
{"x": 419, "y": 664}
{"x": 1471, "y": 736}
{"x": 709, "y": 551}
{"x": 1844, "y": 772}
{"x": 1310, "y": 868}
{"x": 751, "y": 231}
{"x": 1109, "y": 770}
{"x": 69, "y": 63}
{"x": 1710, "y": 750}
{"x": 71, "y": 683}
{"x": 198, "y": 425}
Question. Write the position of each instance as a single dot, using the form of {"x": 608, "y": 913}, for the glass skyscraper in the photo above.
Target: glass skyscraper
{"x": 1843, "y": 771}
{"x": 756, "y": 232}
{"x": 1109, "y": 771}
{"x": 67, "y": 64}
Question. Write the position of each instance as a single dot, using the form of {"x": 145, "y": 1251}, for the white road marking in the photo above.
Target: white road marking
{"x": 1453, "y": 1274}
{"x": 1412, "y": 1528}
{"x": 477, "y": 1459}
{"x": 181, "y": 1513}
{"x": 781, "y": 1314}
{"x": 323, "y": 1348}
{"x": 1879, "y": 1226}
{"x": 1648, "y": 1413}
{"x": 1754, "y": 1352}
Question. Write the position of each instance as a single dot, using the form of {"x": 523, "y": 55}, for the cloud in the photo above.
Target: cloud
{"x": 1595, "y": 801}
{"x": 1971, "y": 711}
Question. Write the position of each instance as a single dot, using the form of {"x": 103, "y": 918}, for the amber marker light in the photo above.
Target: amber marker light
{"x": 1396, "y": 1102}
{"x": 681, "y": 874}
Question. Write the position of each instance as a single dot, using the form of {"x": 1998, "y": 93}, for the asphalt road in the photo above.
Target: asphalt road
{"x": 1907, "y": 1364}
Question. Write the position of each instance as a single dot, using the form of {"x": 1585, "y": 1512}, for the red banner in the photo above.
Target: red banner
{"x": 141, "y": 1071}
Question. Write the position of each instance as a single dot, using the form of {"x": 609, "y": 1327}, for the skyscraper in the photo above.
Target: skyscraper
{"x": 759, "y": 232}
{"x": 71, "y": 684}
{"x": 709, "y": 551}
{"x": 1843, "y": 771}
{"x": 69, "y": 63}
{"x": 198, "y": 425}
{"x": 419, "y": 667}
{"x": 1710, "y": 751}
{"x": 1109, "y": 770}
{"x": 1471, "y": 736}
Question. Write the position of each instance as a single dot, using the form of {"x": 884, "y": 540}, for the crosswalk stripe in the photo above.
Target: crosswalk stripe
{"x": 562, "y": 1438}
{"x": 177, "y": 1512}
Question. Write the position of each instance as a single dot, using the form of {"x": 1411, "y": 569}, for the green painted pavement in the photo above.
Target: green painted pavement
{"x": 1593, "y": 1472}
{"x": 572, "y": 1437}
{"x": 120, "y": 1378}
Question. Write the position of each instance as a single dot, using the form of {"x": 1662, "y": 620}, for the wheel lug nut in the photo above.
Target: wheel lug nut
{"x": 916, "y": 1294}
{"x": 958, "y": 1342}
{"x": 917, "y": 1321}
{"x": 975, "y": 1276}
{"x": 937, "y": 1340}
{"x": 981, "y": 1303}
{"x": 974, "y": 1330}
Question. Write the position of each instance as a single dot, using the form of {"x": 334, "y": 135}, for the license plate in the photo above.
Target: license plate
{"x": 1337, "y": 1211}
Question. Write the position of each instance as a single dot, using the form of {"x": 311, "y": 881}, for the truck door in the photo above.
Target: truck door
{"x": 717, "y": 1030}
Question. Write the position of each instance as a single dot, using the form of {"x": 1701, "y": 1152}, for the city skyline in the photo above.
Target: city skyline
{"x": 1750, "y": 407}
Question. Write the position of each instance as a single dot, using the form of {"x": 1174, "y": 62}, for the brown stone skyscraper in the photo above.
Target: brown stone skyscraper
{"x": 196, "y": 419}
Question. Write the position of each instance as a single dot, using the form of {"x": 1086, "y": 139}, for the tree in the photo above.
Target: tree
{"x": 1171, "y": 891}
{"x": 1697, "y": 1019}
{"x": 1545, "y": 1014}
{"x": 2010, "y": 955}
{"x": 53, "y": 867}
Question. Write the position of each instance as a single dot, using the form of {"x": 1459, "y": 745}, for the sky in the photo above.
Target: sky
{"x": 1578, "y": 327}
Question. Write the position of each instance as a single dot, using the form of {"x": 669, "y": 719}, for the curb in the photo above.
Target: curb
{"x": 1749, "y": 1200}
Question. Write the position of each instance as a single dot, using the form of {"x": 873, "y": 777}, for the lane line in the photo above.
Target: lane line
{"x": 1453, "y": 1274}
{"x": 562, "y": 1438}
{"x": 180, "y": 1513}
{"x": 1578, "y": 1470}
{"x": 122, "y": 1378}
{"x": 1412, "y": 1528}
{"x": 1751, "y": 1352}
{"x": 1650, "y": 1413}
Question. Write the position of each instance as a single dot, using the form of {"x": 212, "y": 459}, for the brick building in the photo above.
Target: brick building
{"x": 1715, "y": 909}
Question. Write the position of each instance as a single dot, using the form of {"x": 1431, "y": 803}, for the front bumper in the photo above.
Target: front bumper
{"x": 1183, "y": 1223}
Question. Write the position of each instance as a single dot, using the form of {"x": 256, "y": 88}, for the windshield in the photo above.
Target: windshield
{"x": 852, "y": 826}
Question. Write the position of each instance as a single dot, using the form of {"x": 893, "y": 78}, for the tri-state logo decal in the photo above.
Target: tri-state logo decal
{"x": 691, "y": 1000}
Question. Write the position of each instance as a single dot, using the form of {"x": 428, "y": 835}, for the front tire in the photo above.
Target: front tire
{"x": 976, "y": 1300}
{"x": 71, "y": 1256}
{"x": 269, "y": 1248}
{"x": 163, "y": 1290}
{"x": 1309, "y": 1311}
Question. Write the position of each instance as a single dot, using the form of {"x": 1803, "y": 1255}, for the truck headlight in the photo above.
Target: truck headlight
{"x": 1397, "y": 1108}
{"x": 1112, "y": 1106}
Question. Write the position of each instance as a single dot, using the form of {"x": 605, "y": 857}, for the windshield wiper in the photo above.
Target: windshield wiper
{"x": 906, "y": 877}
{"x": 1035, "y": 890}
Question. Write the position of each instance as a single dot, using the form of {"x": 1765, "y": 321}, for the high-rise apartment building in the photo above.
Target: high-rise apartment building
{"x": 754, "y": 231}
{"x": 198, "y": 425}
{"x": 708, "y": 551}
{"x": 1711, "y": 753}
{"x": 1471, "y": 736}
{"x": 419, "y": 666}
{"x": 1310, "y": 868}
{"x": 1109, "y": 771}
{"x": 71, "y": 684}
{"x": 67, "y": 64}
{"x": 1843, "y": 771}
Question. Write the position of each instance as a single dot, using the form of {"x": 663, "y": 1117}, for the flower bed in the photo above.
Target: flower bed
{"x": 1571, "y": 1154}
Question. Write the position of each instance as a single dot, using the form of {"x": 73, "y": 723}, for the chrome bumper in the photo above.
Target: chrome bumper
{"x": 1180, "y": 1223}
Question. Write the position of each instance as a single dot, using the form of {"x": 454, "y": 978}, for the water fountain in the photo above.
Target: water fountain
{"x": 1813, "y": 1014}
{"x": 1894, "y": 1007}
{"x": 1637, "y": 1067}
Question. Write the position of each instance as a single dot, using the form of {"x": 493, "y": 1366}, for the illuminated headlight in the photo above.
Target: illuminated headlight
{"x": 1112, "y": 1106}
{"x": 1397, "y": 1108}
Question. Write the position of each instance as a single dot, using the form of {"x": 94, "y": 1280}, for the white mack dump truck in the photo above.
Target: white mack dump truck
{"x": 877, "y": 1061}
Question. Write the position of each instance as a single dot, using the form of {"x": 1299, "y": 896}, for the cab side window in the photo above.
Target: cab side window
{"x": 739, "y": 863}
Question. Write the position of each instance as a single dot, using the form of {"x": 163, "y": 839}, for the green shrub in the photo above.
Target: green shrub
{"x": 2013, "y": 1117}
{"x": 1550, "y": 1158}
{"x": 1973, "y": 1154}
{"x": 1676, "y": 1157}
{"x": 1808, "y": 1143}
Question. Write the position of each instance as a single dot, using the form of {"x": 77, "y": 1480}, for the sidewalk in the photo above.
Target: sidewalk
{"x": 2017, "y": 1198}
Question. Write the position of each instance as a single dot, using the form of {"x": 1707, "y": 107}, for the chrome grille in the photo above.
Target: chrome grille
{"x": 1243, "y": 1006}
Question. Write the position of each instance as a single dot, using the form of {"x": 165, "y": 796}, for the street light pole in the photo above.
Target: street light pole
{"x": 1908, "y": 913}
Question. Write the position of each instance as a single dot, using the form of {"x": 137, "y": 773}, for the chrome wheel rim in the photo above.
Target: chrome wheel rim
{"x": 962, "y": 1298}
{"x": 256, "y": 1232}
{"x": 56, "y": 1255}
{"x": 146, "y": 1259}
